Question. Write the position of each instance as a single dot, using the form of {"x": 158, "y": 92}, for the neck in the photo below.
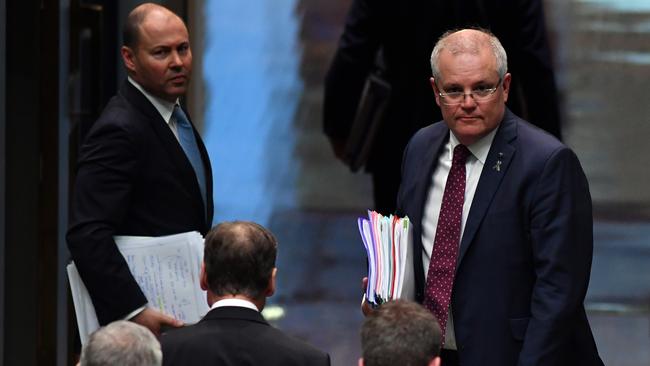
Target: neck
{"x": 212, "y": 298}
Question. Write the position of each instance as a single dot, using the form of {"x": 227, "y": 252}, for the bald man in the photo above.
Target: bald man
{"x": 143, "y": 169}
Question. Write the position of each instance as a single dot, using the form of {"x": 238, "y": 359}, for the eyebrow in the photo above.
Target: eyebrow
{"x": 474, "y": 85}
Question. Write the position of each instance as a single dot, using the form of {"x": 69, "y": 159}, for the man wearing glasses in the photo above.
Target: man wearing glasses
{"x": 502, "y": 220}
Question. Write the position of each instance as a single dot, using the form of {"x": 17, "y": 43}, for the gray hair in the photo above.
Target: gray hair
{"x": 400, "y": 333}
{"x": 121, "y": 343}
{"x": 471, "y": 43}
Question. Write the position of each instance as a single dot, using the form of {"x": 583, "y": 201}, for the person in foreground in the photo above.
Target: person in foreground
{"x": 401, "y": 333}
{"x": 143, "y": 169}
{"x": 238, "y": 273}
{"x": 502, "y": 220}
{"x": 121, "y": 343}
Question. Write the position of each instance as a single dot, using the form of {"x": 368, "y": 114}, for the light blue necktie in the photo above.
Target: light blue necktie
{"x": 189, "y": 145}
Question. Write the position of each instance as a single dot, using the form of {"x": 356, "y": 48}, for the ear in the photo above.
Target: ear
{"x": 360, "y": 362}
{"x": 128, "y": 56}
{"x": 203, "y": 278}
{"x": 507, "y": 78}
{"x": 435, "y": 362}
{"x": 270, "y": 289}
{"x": 435, "y": 90}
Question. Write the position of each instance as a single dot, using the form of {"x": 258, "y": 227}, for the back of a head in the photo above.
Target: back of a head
{"x": 400, "y": 333}
{"x": 239, "y": 259}
{"x": 121, "y": 343}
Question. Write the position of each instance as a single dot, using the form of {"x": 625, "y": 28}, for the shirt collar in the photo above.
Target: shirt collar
{"x": 234, "y": 302}
{"x": 479, "y": 149}
{"x": 163, "y": 107}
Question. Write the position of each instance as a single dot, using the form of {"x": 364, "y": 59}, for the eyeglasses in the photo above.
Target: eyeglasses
{"x": 480, "y": 94}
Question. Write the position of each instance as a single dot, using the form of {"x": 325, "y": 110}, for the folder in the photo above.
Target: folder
{"x": 388, "y": 244}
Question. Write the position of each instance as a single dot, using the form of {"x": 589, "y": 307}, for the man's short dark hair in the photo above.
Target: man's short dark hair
{"x": 400, "y": 333}
{"x": 131, "y": 31}
{"x": 239, "y": 258}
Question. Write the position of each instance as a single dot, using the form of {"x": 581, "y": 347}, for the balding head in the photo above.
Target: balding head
{"x": 121, "y": 343}
{"x": 469, "y": 41}
{"x": 239, "y": 259}
{"x": 131, "y": 31}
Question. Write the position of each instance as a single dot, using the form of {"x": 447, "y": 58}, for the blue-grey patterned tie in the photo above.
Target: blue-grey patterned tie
{"x": 189, "y": 145}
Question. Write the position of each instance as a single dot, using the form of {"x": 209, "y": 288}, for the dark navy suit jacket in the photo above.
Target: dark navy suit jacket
{"x": 525, "y": 256}
{"x": 133, "y": 178}
{"x": 236, "y": 336}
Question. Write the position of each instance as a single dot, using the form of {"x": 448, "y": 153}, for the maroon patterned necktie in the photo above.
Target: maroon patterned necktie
{"x": 442, "y": 267}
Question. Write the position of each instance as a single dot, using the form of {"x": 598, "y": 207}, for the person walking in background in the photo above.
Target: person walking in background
{"x": 405, "y": 31}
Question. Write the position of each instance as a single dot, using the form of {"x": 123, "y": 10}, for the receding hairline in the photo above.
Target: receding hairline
{"x": 241, "y": 232}
{"x": 470, "y": 41}
{"x": 138, "y": 16}
{"x": 466, "y": 41}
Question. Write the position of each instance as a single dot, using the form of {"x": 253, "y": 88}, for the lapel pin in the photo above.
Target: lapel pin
{"x": 497, "y": 166}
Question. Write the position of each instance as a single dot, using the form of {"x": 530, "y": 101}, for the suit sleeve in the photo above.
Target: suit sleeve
{"x": 562, "y": 242}
{"x": 351, "y": 65}
{"x": 531, "y": 63}
{"x": 107, "y": 166}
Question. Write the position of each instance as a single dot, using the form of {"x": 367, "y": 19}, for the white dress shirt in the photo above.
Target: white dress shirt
{"x": 165, "y": 108}
{"x": 235, "y": 302}
{"x": 473, "y": 168}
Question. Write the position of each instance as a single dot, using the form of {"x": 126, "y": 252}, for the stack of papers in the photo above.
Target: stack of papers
{"x": 167, "y": 270}
{"x": 387, "y": 240}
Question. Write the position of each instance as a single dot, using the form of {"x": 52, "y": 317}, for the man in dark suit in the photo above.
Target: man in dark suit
{"x": 238, "y": 273}
{"x": 406, "y": 31}
{"x": 143, "y": 169}
{"x": 502, "y": 221}
{"x": 401, "y": 332}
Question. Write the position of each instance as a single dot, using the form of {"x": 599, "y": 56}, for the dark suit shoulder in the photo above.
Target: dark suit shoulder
{"x": 230, "y": 336}
{"x": 426, "y": 133}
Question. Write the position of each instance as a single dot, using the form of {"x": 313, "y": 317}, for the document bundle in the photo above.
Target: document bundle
{"x": 166, "y": 269}
{"x": 387, "y": 240}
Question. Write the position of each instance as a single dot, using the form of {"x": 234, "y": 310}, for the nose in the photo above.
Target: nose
{"x": 176, "y": 59}
{"x": 468, "y": 101}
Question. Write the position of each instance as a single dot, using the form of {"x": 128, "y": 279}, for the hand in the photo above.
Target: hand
{"x": 338, "y": 146}
{"x": 154, "y": 320}
{"x": 365, "y": 307}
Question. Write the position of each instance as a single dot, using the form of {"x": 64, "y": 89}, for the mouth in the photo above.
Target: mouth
{"x": 178, "y": 79}
{"x": 468, "y": 118}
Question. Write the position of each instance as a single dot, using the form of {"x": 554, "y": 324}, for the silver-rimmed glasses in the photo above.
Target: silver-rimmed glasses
{"x": 480, "y": 94}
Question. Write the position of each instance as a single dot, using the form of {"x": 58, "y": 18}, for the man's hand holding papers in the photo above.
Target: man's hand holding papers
{"x": 387, "y": 240}
{"x": 166, "y": 269}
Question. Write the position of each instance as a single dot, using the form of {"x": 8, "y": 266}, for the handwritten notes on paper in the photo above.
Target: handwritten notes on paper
{"x": 166, "y": 269}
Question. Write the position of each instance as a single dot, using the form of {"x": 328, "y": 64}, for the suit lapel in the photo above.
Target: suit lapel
{"x": 496, "y": 167}
{"x": 423, "y": 182}
{"x": 167, "y": 138}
